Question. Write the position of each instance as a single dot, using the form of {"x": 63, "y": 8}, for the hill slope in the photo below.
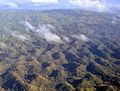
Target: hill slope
{"x": 59, "y": 50}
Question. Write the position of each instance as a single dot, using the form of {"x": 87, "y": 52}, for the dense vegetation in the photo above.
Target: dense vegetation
{"x": 59, "y": 50}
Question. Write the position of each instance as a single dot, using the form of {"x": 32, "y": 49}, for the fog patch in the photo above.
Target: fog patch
{"x": 28, "y": 25}
{"x": 85, "y": 38}
{"x": 81, "y": 37}
{"x": 114, "y": 20}
{"x": 2, "y": 44}
{"x": 52, "y": 38}
{"x": 22, "y": 37}
{"x": 46, "y": 32}
{"x": 66, "y": 39}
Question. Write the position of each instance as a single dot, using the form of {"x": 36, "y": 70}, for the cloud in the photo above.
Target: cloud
{"x": 94, "y": 5}
{"x": 29, "y": 26}
{"x": 8, "y": 3}
{"x": 20, "y": 3}
{"x": 12, "y": 4}
{"x": 81, "y": 37}
{"x": 44, "y": 31}
{"x": 2, "y": 44}
{"x": 22, "y": 37}
{"x": 114, "y": 6}
{"x": 45, "y": 1}
{"x": 47, "y": 32}
{"x": 66, "y": 39}
{"x": 90, "y": 4}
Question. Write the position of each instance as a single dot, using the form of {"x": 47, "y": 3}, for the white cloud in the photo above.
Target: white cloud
{"x": 12, "y": 4}
{"x": 15, "y": 3}
{"x": 85, "y": 38}
{"x": 45, "y": 1}
{"x": 22, "y": 37}
{"x": 95, "y": 5}
{"x": 2, "y": 44}
{"x": 66, "y": 39}
{"x": 81, "y": 37}
{"x": 29, "y": 26}
{"x": 8, "y": 3}
{"x": 114, "y": 6}
{"x": 46, "y": 33}
{"x": 90, "y": 4}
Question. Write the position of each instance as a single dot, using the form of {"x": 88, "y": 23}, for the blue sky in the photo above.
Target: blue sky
{"x": 98, "y": 5}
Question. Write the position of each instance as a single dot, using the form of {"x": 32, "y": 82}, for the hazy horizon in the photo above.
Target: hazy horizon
{"x": 94, "y": 5}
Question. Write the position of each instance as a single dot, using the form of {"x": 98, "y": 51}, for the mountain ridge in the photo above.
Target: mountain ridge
{"x": 82, "y": 54}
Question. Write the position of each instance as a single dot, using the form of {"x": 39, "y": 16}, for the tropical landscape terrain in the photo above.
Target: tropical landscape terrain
{"x": 59, "y": 50}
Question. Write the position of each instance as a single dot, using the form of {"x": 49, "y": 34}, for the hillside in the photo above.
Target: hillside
{"x": 59, "y": 50}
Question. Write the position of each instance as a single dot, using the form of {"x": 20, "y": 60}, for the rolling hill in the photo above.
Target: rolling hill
{"x": 59, "y": 50}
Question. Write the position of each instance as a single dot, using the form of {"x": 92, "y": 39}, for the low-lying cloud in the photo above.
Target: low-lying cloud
{"x": 45, "y": 31}
{"x": 47, "y": 34}
{"x": 3, "y": 45}
{"x": 81, "y": 37}
{"x": 22, "y": 37}
{"x": 29, "y": 26}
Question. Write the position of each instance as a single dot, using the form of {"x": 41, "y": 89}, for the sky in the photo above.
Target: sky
{"x": 95, "y": 5}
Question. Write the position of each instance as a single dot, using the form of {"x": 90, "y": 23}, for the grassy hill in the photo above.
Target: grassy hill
{"x": 59, "y": 50}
